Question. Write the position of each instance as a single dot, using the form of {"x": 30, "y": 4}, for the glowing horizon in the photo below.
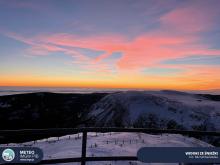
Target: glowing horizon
{"x": 151, "y": 44}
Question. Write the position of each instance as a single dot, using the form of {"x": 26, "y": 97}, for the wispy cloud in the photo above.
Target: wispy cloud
{"x": 175, "y": 44}
{"x": 144, "y": 51}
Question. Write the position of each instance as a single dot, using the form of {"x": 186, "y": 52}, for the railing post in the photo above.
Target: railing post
{"x": 84, "y": 141}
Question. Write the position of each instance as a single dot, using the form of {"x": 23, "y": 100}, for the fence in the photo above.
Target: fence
{"x": 83, "y": 159}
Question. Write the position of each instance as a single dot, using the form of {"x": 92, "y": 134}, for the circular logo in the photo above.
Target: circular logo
{"x": 8, "y": 155}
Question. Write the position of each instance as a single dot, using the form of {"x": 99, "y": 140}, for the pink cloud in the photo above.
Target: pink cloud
{"x": 196, "y": 17}
{"x": 177, "y": 36}
{"x": 143, "y": 51}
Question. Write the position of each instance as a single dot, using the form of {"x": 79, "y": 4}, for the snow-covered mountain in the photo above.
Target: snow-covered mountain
{"x": 157, "y": 109}
{"x": 109, "y": 144}
{"x": 153, "y": 109}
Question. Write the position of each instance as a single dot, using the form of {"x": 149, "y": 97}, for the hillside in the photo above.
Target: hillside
{"x": 163, "y": 109}
{"x": 45, "y": 110}
{"x": 147, "y": 109}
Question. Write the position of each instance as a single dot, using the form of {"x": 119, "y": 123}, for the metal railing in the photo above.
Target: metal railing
{"x": 83, "y": 159}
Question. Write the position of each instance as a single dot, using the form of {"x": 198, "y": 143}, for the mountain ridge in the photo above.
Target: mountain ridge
{"x": 179, "y": 106}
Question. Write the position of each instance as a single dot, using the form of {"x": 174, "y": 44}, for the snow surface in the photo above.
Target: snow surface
{"x": 186, "y": 109}
{"x": 109, "y": 144}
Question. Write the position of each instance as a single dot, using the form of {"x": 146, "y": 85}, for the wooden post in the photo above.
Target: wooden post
{"x": 84, "y": 141}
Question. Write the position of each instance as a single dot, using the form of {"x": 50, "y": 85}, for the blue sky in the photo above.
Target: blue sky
{"x": 101, "y": 43}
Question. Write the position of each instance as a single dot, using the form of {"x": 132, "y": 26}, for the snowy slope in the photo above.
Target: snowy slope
{"x": 109, "y": 144}
{"x": 168, "y": 109}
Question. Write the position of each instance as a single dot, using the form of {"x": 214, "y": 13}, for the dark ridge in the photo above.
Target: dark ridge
{"x": 45, "y": 110}
{"x": 210, "y": 97}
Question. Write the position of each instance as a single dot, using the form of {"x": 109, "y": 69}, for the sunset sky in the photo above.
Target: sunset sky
{"x": 150, "y": 44}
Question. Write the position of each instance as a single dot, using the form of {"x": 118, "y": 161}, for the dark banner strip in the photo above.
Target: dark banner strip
{"x": 179, "y": 154}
